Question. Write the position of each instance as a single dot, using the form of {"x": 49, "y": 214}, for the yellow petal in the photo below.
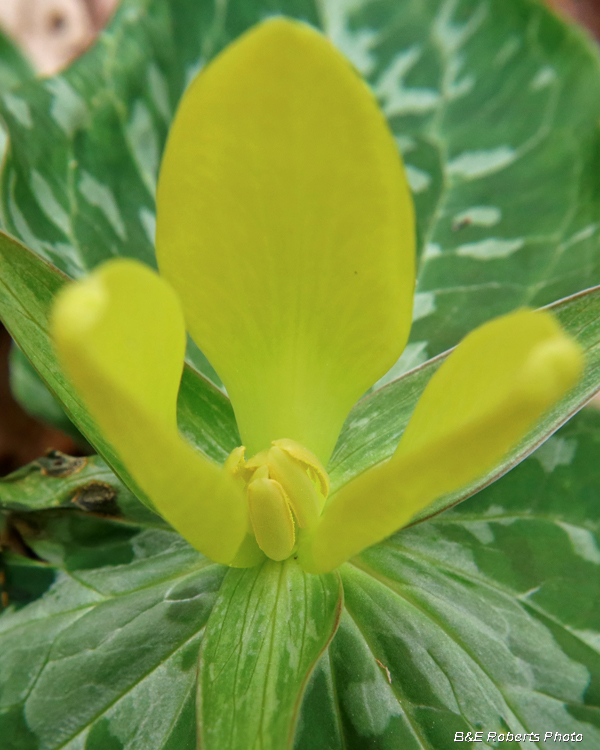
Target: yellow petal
{"x": 120, "y": 337}
{"x": 286, "y": 225}
{"x": 271, "y": 518}
{"x": 484, "y": 398}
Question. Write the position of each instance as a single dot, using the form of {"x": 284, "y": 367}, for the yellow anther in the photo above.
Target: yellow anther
{"x": 271, "y": 518}
{"x": 297, "y": 485}
{"x": 285, "y": 484}
{"x": 310, "y": 462}
{"x": 261, "y": 473}
{"x": 235, "y": 465}
{"x": 257, "y": 460}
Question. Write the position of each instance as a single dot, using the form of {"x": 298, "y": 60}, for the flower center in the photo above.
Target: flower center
{"x": 286, "y": 487}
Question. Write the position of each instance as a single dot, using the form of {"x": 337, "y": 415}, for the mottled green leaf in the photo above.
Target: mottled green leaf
{"x": 79, "y": 179}
{"x": 109, "y": 652}
{"x": 107, "y": 657}
{"x": 496, "y": 107}
{"x": 269, "y": 627}
{"x": 486, "y": 618}
{"x": 14, "y": 70}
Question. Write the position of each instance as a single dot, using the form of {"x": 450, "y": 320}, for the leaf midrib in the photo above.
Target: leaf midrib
{"x": 521, "y": 597}
{"x": 121, "y": 695}
{"x": 403, "y": 702}
{"x": 106, "y": 597}
{"x": 394, "y": 589}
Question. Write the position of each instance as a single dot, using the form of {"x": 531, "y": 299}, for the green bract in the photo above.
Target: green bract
{"x": 483, "y": 618}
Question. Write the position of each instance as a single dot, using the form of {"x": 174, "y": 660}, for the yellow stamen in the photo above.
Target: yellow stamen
{"x": 271, "y": 517}
{"x": 235, "y": 464}
{"x": 310, "y": 462}
{"x": 285, "y": 485}
{"x": 299, "y": 489}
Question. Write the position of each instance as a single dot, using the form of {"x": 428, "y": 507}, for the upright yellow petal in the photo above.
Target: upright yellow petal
{"x": 286, "y": 225}
{"x": 485, "y": 397}
{"x": 120, "y": 337}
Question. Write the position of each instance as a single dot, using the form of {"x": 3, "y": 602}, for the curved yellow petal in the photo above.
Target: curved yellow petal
{"x": 120, "y": 337}
{"x": 286, "y": 225}
{"x": 484, "y": 398}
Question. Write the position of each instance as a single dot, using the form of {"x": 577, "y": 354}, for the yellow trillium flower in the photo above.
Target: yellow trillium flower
{"x": 286, "y": 228}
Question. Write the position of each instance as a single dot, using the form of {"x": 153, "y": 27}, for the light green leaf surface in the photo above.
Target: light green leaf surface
{"x": 84, "y": 191}
{"x": 268, "y": 628}
{"x": 115, "y": 637}
{"x": 486, "y": 618}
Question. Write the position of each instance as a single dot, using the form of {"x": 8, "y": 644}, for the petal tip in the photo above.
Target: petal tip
{"x": 78, "y": 308}
{"x": 554, "y": 367}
